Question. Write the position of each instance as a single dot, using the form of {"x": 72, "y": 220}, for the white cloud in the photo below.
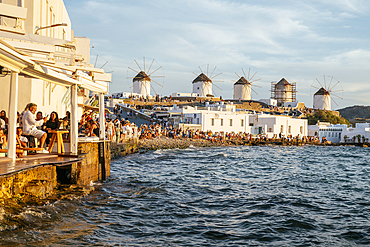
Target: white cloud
{"x": 299, "y": 41}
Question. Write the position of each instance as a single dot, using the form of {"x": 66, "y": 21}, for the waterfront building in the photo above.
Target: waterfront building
{"x": 224, "y": 118}
{"x": 41, "y": 61}
{"x": 340, "y": 133}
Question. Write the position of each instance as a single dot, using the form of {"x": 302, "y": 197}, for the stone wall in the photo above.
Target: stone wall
{"x": 92, "y": 169}
{"x": 123, "y": 149}
{"x": 40, "y": 182}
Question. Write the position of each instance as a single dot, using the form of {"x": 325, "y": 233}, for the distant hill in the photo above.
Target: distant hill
{"x": 356, "y": 112}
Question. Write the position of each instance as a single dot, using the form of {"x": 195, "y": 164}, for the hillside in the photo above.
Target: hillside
{"x": 325, "y": 116}
{"x": 356, "y": 113}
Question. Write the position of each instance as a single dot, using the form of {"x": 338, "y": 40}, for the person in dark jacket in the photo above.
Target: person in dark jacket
{"x": 52, "y": 124}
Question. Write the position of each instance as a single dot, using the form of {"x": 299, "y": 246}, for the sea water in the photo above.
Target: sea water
{"x": 224, "y": 196}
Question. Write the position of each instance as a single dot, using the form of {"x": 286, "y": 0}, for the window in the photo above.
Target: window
{"x": 19, "y": 3}
{"x": 336, "y": 134}
{"x": 270, "y": 130}
{"x": 231, "y": 122}
{"x": 301, "y": 129}
{"x": 250, "y": 124}
{"x": 282, "y": 129}
{"x": 242, "y": 122}
{"x": 222, "y": 122}
{"x": 289, "y": 129}
{"x": 212, "y": 121}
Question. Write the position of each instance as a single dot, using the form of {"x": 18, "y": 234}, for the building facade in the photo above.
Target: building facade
{"x": 41, "y": 29}
{"x": 225, "y": 118}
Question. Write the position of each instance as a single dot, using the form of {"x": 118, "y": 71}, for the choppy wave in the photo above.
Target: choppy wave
{"x": 274, "y": 196}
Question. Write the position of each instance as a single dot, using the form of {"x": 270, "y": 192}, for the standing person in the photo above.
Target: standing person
{"x": 110, "y": 130}
{"x": 30, "y": 124}
{"x": 118, "y": 130}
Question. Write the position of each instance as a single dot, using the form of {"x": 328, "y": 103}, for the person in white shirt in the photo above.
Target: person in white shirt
{"x": 30, "y": 125}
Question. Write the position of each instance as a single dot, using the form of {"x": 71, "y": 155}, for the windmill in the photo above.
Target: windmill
{"x": 328, "y": 87}
{"x": 142, "y": 77}
{"x": 283, "y": 91}
{"x": 243, "y": 87}
{"x": 202, "y": 84}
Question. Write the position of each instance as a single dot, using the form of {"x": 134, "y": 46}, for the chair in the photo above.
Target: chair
{"x": 32, "y": 143}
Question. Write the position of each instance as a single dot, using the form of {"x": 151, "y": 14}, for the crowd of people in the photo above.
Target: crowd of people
{"x": 157, "y": 130}
{"x": 31, "y": 122}
{"x": 37, "y": 124}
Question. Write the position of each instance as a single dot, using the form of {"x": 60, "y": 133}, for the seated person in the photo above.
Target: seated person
{"x": 52, "y": 124}
{"x": 65, "y": 123}
{"x": 38, "y": 118}
{"x": 30, "y": 124}
{"x": 2, "y": 124}
{"x": 21, "y": 140}
{"x": 3, "y": 142}
{"x": 3, "y": 116}
{"x": 92, "y": 129}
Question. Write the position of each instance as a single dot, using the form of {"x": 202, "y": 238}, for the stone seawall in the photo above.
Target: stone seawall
{"x": 122, "y": 149}
{"x": 169, "y": 143}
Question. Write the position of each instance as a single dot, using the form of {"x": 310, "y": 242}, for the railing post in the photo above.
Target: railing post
{"x": 13, "y": 102}
{"x": 74, "y": 120}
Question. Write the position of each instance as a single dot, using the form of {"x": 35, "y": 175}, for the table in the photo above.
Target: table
{"x": 57, "y": 136}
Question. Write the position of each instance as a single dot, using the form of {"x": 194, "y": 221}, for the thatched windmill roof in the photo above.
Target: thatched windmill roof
{"x": 322, "y": 91}
{"x": 242, "y": 81}
{"x": 202, "y": 77}
{"x": 142, "y": 76}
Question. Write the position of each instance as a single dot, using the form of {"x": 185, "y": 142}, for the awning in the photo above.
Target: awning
{"x": 34, "y": 38}
{"x": 10, "y": 58}
{"x": 95, "y": 108}
{"x": 47, "y": 74}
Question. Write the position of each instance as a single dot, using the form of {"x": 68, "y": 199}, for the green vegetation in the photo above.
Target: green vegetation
{"x": 325, "y": 116}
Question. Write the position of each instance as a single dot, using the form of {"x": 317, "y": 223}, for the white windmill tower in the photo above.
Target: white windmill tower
{"x": 243, "y": 87}
{"x": 202, "y": 84}
{"x": 323, "y": 97}
{"x": 142, "y": 78}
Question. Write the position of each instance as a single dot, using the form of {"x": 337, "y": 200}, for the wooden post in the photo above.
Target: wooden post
{"x": 12, "y": 126}
{"x": 74, "y": 121}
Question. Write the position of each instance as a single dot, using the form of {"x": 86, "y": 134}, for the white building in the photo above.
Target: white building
{"x": 42, "y": 30}
{"x": 272, "y": 102}
{"x": 42, "y": 62}
{"x": 340, "y": 132}
{"x": 202, "y": 86}
{"x": 184, "y": 94}
{"x": 333, "y": 133}
{"x": 225, "y": 118}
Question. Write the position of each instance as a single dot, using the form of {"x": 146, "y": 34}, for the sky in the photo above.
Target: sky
{"x": 301, "y": 41}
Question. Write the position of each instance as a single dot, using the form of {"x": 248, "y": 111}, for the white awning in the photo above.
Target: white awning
{"x": 47, "y": 74}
